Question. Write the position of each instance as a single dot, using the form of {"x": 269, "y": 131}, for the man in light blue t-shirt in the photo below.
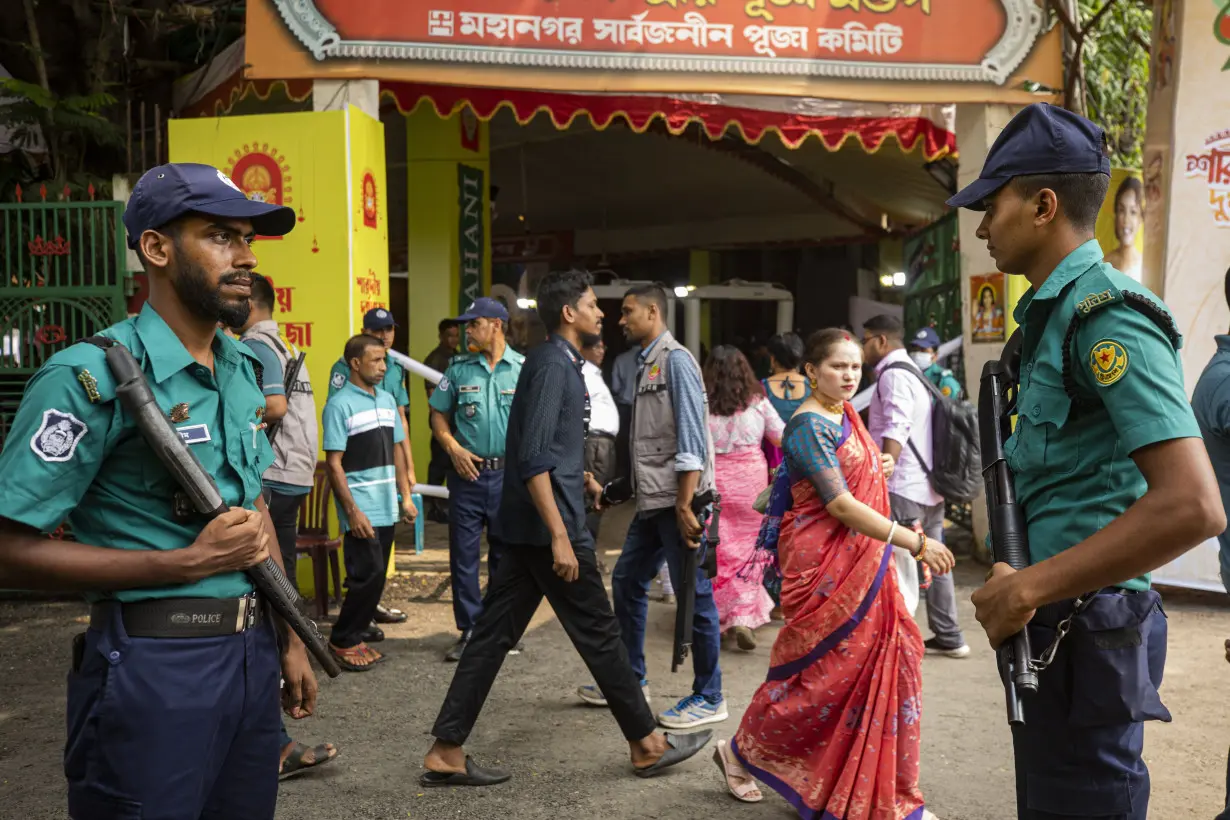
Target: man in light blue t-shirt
{"x": 367, "y": 470}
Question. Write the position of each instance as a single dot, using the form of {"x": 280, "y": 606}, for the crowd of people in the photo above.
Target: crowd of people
{"x": 827, "y": 521}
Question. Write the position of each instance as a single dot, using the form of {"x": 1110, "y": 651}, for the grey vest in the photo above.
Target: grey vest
{"x": 654, "y": 441}
{"x": 296, "y": 447}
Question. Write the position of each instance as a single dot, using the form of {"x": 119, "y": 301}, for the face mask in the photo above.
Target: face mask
{"x": 923, "y": 360}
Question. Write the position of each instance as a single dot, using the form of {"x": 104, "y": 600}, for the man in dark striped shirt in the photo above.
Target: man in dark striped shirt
{"x": 550, "y": 552}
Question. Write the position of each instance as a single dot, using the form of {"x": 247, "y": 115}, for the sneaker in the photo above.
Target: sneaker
{"x": 934, "y": 648}
{"x": 455, "y": 653}
{"x": 593, "y": 696}
{"x": 518, "y": 649}
{"x": 693, "y": 711}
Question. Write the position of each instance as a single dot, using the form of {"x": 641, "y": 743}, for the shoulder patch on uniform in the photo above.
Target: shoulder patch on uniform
{"x": 56, "y": 439}
{"x": 1108, "y": 359}
{"x": 946, "y": 391}
{"x": 337, "y": 380}
{"x": 444, "y": 384}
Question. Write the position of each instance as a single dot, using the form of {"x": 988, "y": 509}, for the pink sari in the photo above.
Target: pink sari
{"x": 835, "y": 727}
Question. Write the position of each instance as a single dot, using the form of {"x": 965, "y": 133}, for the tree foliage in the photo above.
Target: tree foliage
{"x": 1115, "y": 73}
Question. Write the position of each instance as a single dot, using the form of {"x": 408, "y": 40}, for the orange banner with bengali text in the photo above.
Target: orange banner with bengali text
{"x": 720, "y": 45}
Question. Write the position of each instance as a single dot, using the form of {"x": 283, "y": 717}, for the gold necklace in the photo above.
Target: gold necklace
{"x": 836, "y": 408}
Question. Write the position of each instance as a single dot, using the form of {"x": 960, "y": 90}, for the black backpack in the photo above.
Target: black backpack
{"x": 956, "y": 468}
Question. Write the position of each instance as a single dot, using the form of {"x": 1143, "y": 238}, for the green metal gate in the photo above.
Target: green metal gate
{"x": 63, "y": 278}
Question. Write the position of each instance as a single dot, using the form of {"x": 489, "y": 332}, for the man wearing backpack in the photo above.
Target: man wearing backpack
{"x": 900, "y": 421}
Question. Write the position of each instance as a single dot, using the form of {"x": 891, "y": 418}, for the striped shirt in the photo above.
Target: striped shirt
{"x": 364, "y": 427}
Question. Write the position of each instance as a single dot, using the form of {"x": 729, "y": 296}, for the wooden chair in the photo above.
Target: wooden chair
{"x": 314, "y": 540}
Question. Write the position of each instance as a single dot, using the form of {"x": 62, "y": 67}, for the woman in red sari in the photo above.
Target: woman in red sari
{"x": 835, "y": 728}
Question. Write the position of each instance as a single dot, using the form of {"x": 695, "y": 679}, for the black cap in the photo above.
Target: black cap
{"x": 1040, "y": 139}
{"x": 172, "y": 190}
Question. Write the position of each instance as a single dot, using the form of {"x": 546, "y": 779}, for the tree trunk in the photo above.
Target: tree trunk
{"x": 40, "y": 66}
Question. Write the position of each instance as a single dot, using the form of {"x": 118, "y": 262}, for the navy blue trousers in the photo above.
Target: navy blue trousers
{"x": 1079, "y": 753}
{"x": 472, "y": 505}
{"x": 173, "y": 729}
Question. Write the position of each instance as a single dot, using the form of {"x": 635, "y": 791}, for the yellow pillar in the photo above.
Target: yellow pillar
{"x": 449, "y": 209}
{"x": 329, "y": 167}
{"x": 700, "y": 273}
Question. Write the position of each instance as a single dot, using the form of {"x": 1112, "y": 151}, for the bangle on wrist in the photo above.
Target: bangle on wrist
{"x": 922, "y": 547}
{"x": 891, "y": 530}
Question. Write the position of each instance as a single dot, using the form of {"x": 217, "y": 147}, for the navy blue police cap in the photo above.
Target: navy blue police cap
{"x": 926, "y": 338}
{"x": 484, "y": 307}
{"x": 378, "y": 319}
{"x": 1040, "y": 139}
{"x": 169, "y": 191}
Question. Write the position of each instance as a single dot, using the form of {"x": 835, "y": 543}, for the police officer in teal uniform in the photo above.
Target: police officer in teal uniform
{"x": 469, "y": 417}
{"x": 922, "y": 351}
{"x": 378, "y": 323}
{"x": 173, "y": 689}
{"x": 1108, "y": 465}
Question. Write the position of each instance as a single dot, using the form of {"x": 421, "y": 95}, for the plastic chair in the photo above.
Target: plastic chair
{"x": 314, "y": 540}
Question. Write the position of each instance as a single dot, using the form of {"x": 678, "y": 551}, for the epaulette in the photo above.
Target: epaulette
{"x": 1099, "y": 292}
{"x": 461, "y": 358}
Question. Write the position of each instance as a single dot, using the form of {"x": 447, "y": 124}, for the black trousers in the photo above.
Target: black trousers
{"x": 284, "y": 510}
{"x": 524, "y": 576}
{"x": 623, "y": 442}
{"x": 437, "y": 471}
{"x": 367, "y": 563}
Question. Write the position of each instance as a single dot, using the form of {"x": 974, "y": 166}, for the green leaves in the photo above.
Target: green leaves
{"x": 28, "y": 107}
{"x": 1115, "y": 64}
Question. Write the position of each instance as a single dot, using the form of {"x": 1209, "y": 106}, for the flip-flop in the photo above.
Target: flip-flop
{"x": 682, "y": 747}
{"x": 747, "y": 792}
{"x": 375, "y": 656}
{"x": 474, "y": 775}
{"x": 342, "y": 656}
{"x": 294, "y": 765}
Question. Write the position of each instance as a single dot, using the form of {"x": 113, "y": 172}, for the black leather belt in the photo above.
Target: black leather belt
{"x": 182, "y": 617}
{"x": 600, "y": 434}
{"x": 492, "y": 464}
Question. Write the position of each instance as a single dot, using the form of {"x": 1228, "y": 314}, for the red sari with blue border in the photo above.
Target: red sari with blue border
{"x": 835, "y": 727}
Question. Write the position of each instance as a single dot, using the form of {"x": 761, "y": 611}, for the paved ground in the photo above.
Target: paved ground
{"x": 569, "y": 760}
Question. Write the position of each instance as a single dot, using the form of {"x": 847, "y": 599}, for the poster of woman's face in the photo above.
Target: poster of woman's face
{"x": 1120, "y": 221}
{"x": 987, "y": 307}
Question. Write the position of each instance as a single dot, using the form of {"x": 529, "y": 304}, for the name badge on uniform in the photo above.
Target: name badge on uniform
{"x": 194, "y": 434}
{"x": 469, "y": 388}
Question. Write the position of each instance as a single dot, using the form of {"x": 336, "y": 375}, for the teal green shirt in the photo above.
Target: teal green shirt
{"x": 477, "y": 398}
{"x": 394, "y": 382}
{"x": 943, "y": 379}
{"x": 72, "y": 456}
{"x": 1074, "y": 475}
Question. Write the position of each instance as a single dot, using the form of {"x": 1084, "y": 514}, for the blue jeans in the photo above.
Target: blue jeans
{"x": 1079, "y": 753}
{"x": 652, "y": 537}
{"x": 173, "y": 728}
{"x": 472, "y": 505}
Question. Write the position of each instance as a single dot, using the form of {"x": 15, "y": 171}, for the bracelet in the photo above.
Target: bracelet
{"x": 891, "y": 530}
{"x": 922, "y": 547}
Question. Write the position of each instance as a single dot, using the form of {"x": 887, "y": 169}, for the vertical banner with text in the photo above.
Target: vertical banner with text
{"x": 471, "y": 239}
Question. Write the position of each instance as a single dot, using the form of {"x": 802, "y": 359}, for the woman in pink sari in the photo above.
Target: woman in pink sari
{"x": 835, "y": 728}
{"x": 740, "y": 419}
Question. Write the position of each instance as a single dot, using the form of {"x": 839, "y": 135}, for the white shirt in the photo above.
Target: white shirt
{"x": 901, "y": 410}
{"x": 603, "y": 415}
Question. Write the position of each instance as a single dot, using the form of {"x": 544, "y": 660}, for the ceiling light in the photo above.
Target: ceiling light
{"x": 886, "y": 280}
{"x": 680, "y": 292}
{"x": 526, "y": 304}
{"x": 899, "y": 279}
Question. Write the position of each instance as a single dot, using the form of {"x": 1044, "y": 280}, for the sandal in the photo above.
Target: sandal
{"x": 295, "y": 764}
{"x": 745, "y": 789}
{"x": 349, "y": 657}
{"x": 373, "y": 655}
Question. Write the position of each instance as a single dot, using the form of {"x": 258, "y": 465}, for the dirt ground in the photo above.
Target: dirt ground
{"x": 569, "y": 760}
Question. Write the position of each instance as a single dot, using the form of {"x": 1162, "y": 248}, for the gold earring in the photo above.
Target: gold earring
{"x": 814, "y": 384}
